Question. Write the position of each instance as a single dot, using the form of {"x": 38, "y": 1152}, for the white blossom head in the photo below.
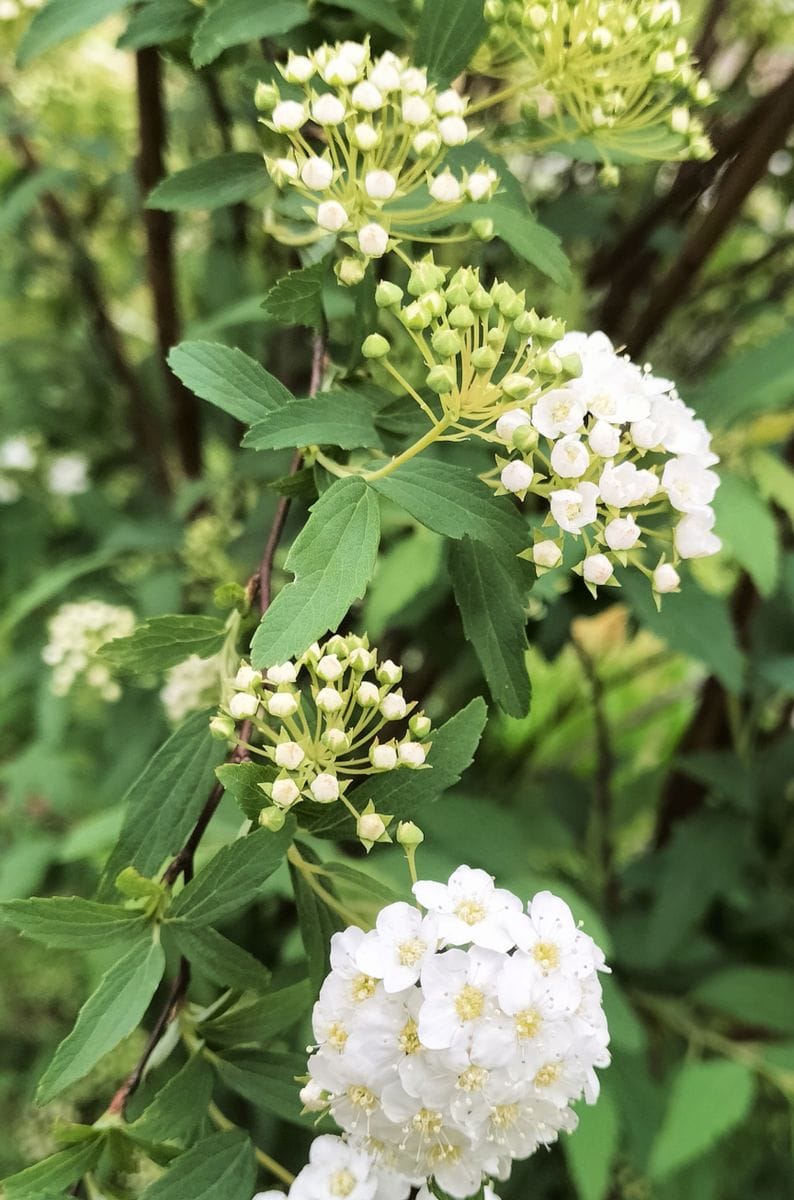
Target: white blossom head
{"x": 76, "y": 632}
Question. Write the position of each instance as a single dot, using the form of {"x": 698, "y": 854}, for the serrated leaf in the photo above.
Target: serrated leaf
{"x": 243, "y": 780}
{"x": 328, "y": 419}
{"x": 229, "y": 379}
{"x": 229, "y": 22}
{"x": 448, "y": 34}
{"x": 489, "y": 591}
{"x": 162, "y": 642}
{"x": 450, "y": 500}
{"x": 759, "y": 379}
{"x": 218, "y": 959}
{"x": 219, "y": 1167}
{"x": 590, "y": 1154}
{"x": 59, "y": 20}
{"x": 179, "y": 1106}
{"x": 316, "y": 920}
{"x": 381, "y": 12}
{"x": 165, "y": 800}
{"x": 297, "y": 298}
{"x": 706, "y": 1101}
{"x": 71, "y": 922}
{"x": 404, "y": 793}
{"x": 359, "y": 879}
{"x": 159, "y": 22}
{"x": 748, "y": 530}
{"x": 233, "y": 877}
{"x": 332, "y": 559}
{"x": 256, "y": 1021}
{"x": 108, "y": 1015}
{"x": 56, "y": 1173}
{"x": 267, "y": 1079}
{"x": 757, "y": 996}
{"x": 226, "y": 179}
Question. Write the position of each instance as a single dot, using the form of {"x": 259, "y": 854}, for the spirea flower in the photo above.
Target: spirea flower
{"x": 332, "y": 716}
{"x": 619, "y": 71}
{"x": 453, "y": 1038}
{"x": 76, "y": 632}
{"x": 366, "y": 144}
{"x": 190, "y": 686}
{"x": 68, "y": 475}
{"x": 340, "y": 1169}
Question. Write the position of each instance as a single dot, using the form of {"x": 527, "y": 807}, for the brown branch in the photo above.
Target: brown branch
{"x": 707, "y": 43}
{"x": 89, "y": 287}
{"x": 158, "y": 225}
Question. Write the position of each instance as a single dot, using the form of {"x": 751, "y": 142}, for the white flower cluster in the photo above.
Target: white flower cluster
{"x": 452, "y": 1041}
{"x": 18, "y": 455}
{"x": 190, "y": 686}
{"x": 368, "y": 132}
{"x": 327, "y": 719}
{"x": 76, "y": 632}
{"x": 621, "y": 461}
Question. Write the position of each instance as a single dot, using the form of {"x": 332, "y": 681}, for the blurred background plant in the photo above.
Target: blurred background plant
{"x": 652, "y": 783}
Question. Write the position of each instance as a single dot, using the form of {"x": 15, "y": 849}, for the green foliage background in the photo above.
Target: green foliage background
{"x": 651, "y": 783}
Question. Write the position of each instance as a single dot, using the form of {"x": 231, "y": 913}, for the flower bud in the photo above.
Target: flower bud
{"x": 409, "y": 835}
{"x": 380, "y": 185}
{"x": 336, "y": 740}
{"x": 329, "y": 668}
{"x": 525, "y": 439}
{"x": 425, "y": 277}
{"x": 461, "y": 317}
{"x": 393, "y": 706}
{"x": 517, "y": 387}
{"x": 571, "y": 365}
{"x": 447, "y": 343}
{"x": 416, "y": 111}
{"x": 389, "y": 672}
{"x": 298, "y": 69}
{"x": 416, "y": 316}
{"x": 442, "y": 380}
{"x": 282, "y": 704}
{"x": 621, "y": 533}
{"x": 222, "y": 728}
{"x": 383, "y": 758}
{"x": 420, "y": 725}
{"x": 368, "y": 695}
{"x": 273, "y": 819}
{"x": 453, "y": 131}
{"x": 365, "y": 137}
{"x": 328, "y": 700}
{"x": 445, "y": 188}
{"x": 371, "y": 827}
{"x": 546, "y": 554}
{"x": 289, "y": 755}
{"x": 317, "y": 173}
{"x": 331, "y": 216}
{"x": 288, "y": 116}
{"x": 450, "y": 103}
{"x": 243, "y": 704}
{"x": 666, "y": 579}
{"x": 483, "y": 228}
{"x": 328, "y": 110}
{"x": 367, "y": 97}
{"x": 481, "y": 183}
{"x": 509, "y": 422}
{"x": 350, "y": 271}
{"x": 325, "y": 788}
{"x": 311, "y": 1097}
{"x": 247, "y": 677}
{"x": 282, "y": 673}
{"x": 282, "y": 171}
{"x": 597, "y": 569}
{"x": 339, "y": 70}
{"x": 361, "y": 659}
{"x": 412, "y": 754}
{"x": 387, "y": 295}
{"x": 517, "y": 476}
{"x": 375, "y": 346}
{"x": 284, "y": 792}
{"x": 480, "y": 299}
{"x": 266, "y": 97}
{"x": 484, "y": 359}
{"x": 426, "y": 144}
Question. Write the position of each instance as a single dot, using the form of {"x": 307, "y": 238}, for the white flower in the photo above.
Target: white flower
{"x": 546, "y": 553}
{"x": 68, "y": 475}
{"x": 453, "y": 131}
{"x": 398, "y": 947}
{"x": 621, "y": 485}
{"x": 373, "y": 240}
{"x": 243, "y": 704}
{"x": 380, "y": 185}
{"x": 324, "y": 788}
{"x": 666, "y": 579}
{"x": 416, "y": 111}
{"x": 509, "y": 422}
{"x": 331, "y": 216}
{"x": 604, "y": 439}
{"x": 366, "y": 97}
{"x": 694, "y": 537}
{"x": 516, "y": 476}
{"x": 282, "y": 704}
{"x": 17, "y": 454}
{"x": 549, "y": 934}
{"x": 317, "y": 173}
{"x": 284, "y": 792}
{"x": 458, "y": 988}
{"x": 445, "y": 188}
{"x": 190, "y": 686}
{"x": 470, "y": 909}
{"x": 481, "y": 183}
{"x": 328, "y": 110}
{"x": 559, "y": 411}
{"x": 689, "y": 485}
{"x": 336, "y": 1169}
{"x": 597, "y": 568}
{"x": 287, "y": 116}
{"x": 289, "y": 755}
{"x": 569, "y": 458}
{"x": 574, "y": 508}
{"x": 622, "y": 533}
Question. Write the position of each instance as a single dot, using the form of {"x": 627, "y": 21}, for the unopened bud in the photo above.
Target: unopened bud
{"x": 371, "y": 827}
{"x": 222, "y": 728}
{"x": 420, "y": 725}
{"x": 483, "y": 228}
{"x": 447, "y": 343}
{"x": 272, "y": 819}
{"x": 484, "y": 359}
{"x": 383, "y": 758}
{"x": 517, "y": 387}
{"x": 425, "y": 277}
{"x": 461, "y": 317}
{"x": 282, "y": 704}
{"x": 388, "y": 295}
{"x": 325, "y": 788}
{"x": 368, "y": 695}
{"x": 350, "y": 271}
{"x": 442, "y": 380}
{"x": 243, "y": 705}
{"x": 336, "y": 740}
{"x": 525, "y": 438}
{"x": 389, "y": 672}
{"x": 284, "y": 792}
{"x": 266, "y": 96}
{"x": 375, "y": 346}
{"x": 412, "y": 754}
{"x": 409, "y": 835}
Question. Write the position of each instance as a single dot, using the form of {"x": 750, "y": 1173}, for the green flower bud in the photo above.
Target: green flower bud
{"x": 230, "y": 595}
{"x": 551, "y": 329}
{"x": 549, "y": 364}
{"x": 609, "y": 175}
{"x": 336, "y": 740}
{"x": 420, "y": 725}
{"x": 434, "y": 302}
{"x": 222, "y": 728}
{"x": 350, "y": 271}
{"x": 388, "y": 295}
{"x": 375, "y": 346}
{"x": 272, "y": 819}
{"x": 425, "y": 277}
{"x": 502, "y": 293}
{"x": 571, "y": 365}
{"x": 481, "y": 299}
{"x": 517, "y": 387}
{"x": 442, "y": 379}
{"x": 409, "y": 835}
{"x": 447, "y": 343}
{"x": 525, "y": 323}
{"x": 484, "y": 359}
{"x": 462, "y": 317}
{"x": 457, "y": 294}
{"x": 496, "y": 338}
{"x": 483, "y": 228}
{"x": 512, "y": 308}
{"x": 266, "y": 96}
{"x": 416, "y": 316}
{"x": 525, "y": 438}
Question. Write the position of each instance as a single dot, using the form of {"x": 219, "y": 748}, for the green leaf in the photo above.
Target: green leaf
{"x": 328, "y": 419}
{"x": 379, "y": 12}
{"x": 108, "y": 1015}
{"x": 219, "y": 1167}
{"x": 448, "y": 34}
{"x": 71, "y": 922}
{"x": 229, "y": 379}
{"x": 297, "y": 298}
{"x": 267, "y": 1079}
{"x": 757, "y": 380}
{"x": 332, "y": 559}
{"x": 748, "y": 530}
{"x": 374, "y": 889}
{"x": 59, "y": 20}
{"x": 230, "y": 22}
{"x": 451, "y": 500}
{"x": 56, "y": 1173}
{"x": 226, "y": 179}
{"x": 256, "y": 1022}
{"x": 757, "y": 996}
{"x": 164, "y": 801}
{"x": 162, "y": 642}
{"x": 243, "y": 780}
{"x": 775, "y": 479}
{"x": 407, "y": 570}
{"x": 404, "y": 793}
{"x": 159, "y": 22}
{"x": 316, "y": 920}
{"x": 179, "y": 1105}
{"x": 24, "y": 195}
{"x": 692, "y": 622}
{"x": 706, "y": 1101}
{"x": 489, "y": 590}
{"x": 590, "y": 1154}
{"x": 218, "y": 959}
{"x": 233, "y": 877}
{"x": 50, "y": 584}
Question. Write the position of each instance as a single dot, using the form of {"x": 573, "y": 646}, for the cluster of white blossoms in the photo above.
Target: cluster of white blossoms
{"x": 367, "y": 139}
{"x": 617, "y": 70}
{"x": 190, "y": 686}
{"x": 622, "y": 463}
{"x": 18, "y": 456}
{"x": 76, "y": 632}
{"x": 453, "y": 1038}
{"x": 325, "y": 720}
